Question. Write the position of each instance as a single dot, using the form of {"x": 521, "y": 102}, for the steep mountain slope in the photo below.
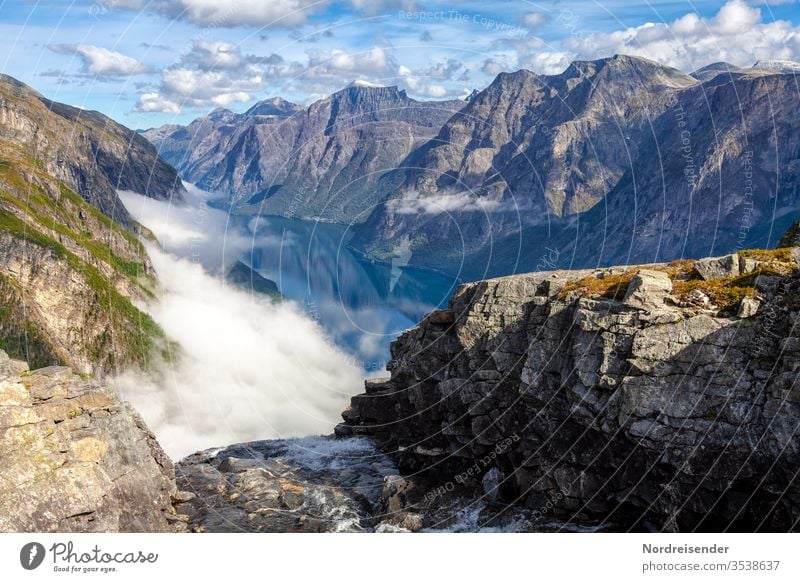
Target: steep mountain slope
{"x": 557, "y": 142}
{"x": 619, "y": 160}
{"x": 720, "y": 171}
{"x": 68, "y": 272}
{"x": 86, "y": 150}
{"x": 319, "y": 162}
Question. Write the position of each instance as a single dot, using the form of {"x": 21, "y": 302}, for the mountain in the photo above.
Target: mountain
{"x": 71, "y": 264}
{"x": 248, "y": 279}
{"x": 710, "y": 71}
{"x": 530, "y": 149}
{"x": 778, "y": 66}
{"x": 613, "y": 161}
{"x": 719, "y": 171}
{"x": 87, "y": 151}
{"x": 319, "y": 162}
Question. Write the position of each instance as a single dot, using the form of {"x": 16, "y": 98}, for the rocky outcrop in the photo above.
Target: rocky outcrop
{"x": 248, "y": 279}
{"x": 628, "y": 398}
{"x": 791, "y": 238}
{"x": 69, "y": 274}
{"x": 323, "y": 161}
{"x": 74, "y": 458}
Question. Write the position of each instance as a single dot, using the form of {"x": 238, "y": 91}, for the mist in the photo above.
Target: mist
{"x": 245, "y": 368}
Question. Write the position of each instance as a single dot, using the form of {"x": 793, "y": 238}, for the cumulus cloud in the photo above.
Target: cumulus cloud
{"x": 432, "y": 81}
{"x": 215, "y": 73}
{"x": 493, "y": 67}
{"x": 737, "y": 33}
{"x": 214, "y": 13}
{"x": 101, "y": 61}
{"x": 338, "y": 63}
{"x": 246, "y": 368}
{"x": 155, "y": 103}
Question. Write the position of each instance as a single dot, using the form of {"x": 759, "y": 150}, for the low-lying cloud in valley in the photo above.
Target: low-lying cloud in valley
{"x": 246, "y": 368}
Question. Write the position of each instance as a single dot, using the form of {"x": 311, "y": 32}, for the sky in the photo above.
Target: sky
{"x": 150, "y": 62}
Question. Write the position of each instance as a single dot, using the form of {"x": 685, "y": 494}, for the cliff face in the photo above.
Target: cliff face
{"x": 68, "y": 272}
{"x": 76, "y": 459}
{"x": 662, "y": 396}
{"x": 320, "y": 162}
{"x": 87, "y": 151}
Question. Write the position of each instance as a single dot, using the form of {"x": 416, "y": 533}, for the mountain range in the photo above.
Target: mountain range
{"x": 320, "y": 162}
{"x": 615, "y": 160}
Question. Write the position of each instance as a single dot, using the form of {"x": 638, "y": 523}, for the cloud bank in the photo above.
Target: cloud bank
{"x": 102, "y": 61}
{"x": 413, "y": 202}
{"x": 737, "y": 33}
{"x": 246, "y": 368}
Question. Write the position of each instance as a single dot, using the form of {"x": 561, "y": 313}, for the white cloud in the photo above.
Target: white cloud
{"x": 216, "y": 73}
{"x": 492, "y": 67}
{"x": 192, "y": 229}
{"x": 101, "y": 61}
{"x": 210, "y": 55}
{"x": 534, "y": 20}
{"x": 413, "y": 202}
{"x": 213, "y": 13}
{"x": 337, "y": 63}
{"x": 155, "y": 103}
{"x": 428, "y": 82}
{"x": 546, "y": 63}
{"x": 247, "y": 369}
{"x": 736, "y": 34}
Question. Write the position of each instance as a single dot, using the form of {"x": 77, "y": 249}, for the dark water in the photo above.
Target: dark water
{"x": 362, "y": 305}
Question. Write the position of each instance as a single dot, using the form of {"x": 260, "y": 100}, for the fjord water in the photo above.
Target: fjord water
{"x": 362, "y": 305}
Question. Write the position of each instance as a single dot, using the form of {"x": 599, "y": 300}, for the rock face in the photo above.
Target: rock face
{"x": 68, "y": 272}
{"x": 791, "y": 238}
{"x": 604, "y": 396}
{"x": 320, "y": 162}
{"x": 87, "y": 151}
{"x": 76, "y": 459}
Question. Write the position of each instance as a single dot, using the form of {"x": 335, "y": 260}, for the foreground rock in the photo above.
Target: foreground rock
{"x": 315, "y": 484}
{"x": 325, "y": 484}
{"x": 75, "y": 459}
{"x": 631, "y": 397}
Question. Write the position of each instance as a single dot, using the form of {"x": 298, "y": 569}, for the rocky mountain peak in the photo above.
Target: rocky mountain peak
{"x": 364, "y": 95}
{"x": 274, "y": 106}
{"x": 778, "y": 66}
{"x": 710, "y": 71}
{"x": 627, "y": 68}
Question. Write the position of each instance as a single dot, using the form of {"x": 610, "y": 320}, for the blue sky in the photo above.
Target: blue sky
{"x": 148, "y": 62}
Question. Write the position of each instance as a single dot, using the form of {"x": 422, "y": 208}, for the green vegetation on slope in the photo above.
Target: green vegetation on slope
{"x": 44, "y": 212}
